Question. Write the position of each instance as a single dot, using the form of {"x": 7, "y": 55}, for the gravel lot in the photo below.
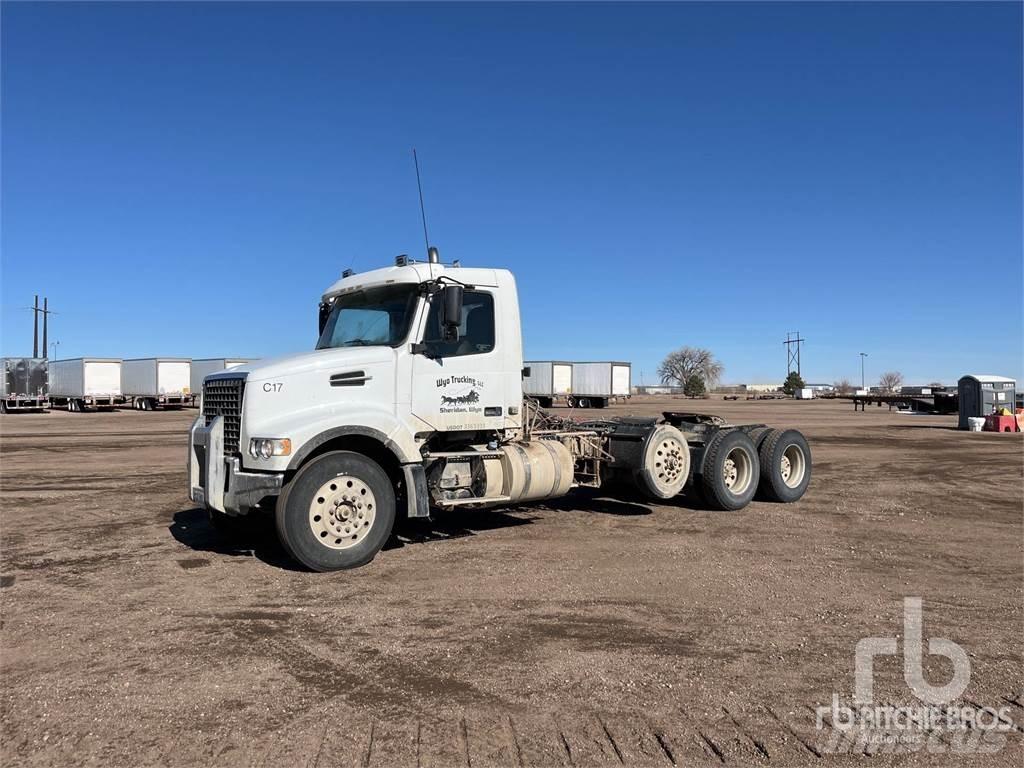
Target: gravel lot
{"x": 588, "y": 631}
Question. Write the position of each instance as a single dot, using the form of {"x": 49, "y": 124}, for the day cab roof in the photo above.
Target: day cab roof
{"x": 412, "y": 272}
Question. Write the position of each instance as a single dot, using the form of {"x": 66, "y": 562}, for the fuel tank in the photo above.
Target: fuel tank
{"x": 530, "y": 470}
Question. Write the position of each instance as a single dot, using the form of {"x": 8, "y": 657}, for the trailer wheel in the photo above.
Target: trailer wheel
{"x": 148, "y": 404}
{"x": 582, "y": 402}
{"x": 666, "y": 466}
{"x": 731, "y": 470}
{"x": 3, "y": 406}
{"x": 785, "y": 460}
{"x": 337, "y": 512}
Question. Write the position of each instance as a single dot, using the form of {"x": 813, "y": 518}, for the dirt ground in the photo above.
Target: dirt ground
{"x": 588, "y": 631}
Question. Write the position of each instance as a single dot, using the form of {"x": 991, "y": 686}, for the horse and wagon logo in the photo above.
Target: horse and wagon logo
{"x": 460, "y": 393}
{"x": 470, "y": 397}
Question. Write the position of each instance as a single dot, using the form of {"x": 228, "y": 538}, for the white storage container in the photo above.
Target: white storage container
{"x": 601, "y": 379}
{"x": 85, "y": 377}
{"x": 153, "y": 381}
{"x": 207, "y": 365}
{"x": 548, "y": 378}
{"x": 975, "y": 423}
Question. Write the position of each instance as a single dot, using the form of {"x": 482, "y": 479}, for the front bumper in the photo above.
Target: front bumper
{"x": 218, "y": 481}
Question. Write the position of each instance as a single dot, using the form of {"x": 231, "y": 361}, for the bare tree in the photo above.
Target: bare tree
{"x": 843, "y": 387}
{"x": 891, "y": 381}
{"x": 679, "y": 366}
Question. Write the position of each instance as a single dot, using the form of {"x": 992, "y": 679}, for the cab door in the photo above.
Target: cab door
{"x": 460, "y": 384}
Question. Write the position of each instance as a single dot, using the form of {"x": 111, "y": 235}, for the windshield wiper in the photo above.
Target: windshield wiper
{"x": 361, "y": 343}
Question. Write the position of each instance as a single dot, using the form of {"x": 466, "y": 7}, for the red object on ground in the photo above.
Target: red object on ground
{"x": 997, "y": 423}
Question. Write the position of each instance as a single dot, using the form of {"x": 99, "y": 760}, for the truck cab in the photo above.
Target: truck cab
{"x": 407, "y": 355}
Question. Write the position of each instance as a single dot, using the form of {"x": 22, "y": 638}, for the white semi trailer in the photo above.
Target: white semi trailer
{"x": 85, "y": 382}
{"x": 594, "y": 385}
{"x": 413, "y": 400}
{"x": 547, "y": 381}
{"x": 150, "y": 382}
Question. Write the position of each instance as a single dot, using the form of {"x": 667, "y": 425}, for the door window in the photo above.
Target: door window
{"x": 476, "y": 331}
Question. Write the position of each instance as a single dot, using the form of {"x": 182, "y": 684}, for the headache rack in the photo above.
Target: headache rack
{"x": 223, "y": 397}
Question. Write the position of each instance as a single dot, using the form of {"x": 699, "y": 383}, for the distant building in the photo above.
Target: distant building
{"x": 821, "y": 387}
{"x": 762, "y": 387}
{"x": 657, "y": 389}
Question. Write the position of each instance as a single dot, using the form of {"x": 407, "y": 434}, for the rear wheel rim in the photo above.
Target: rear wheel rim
{"x": 341, "y": 512}
{"x": 737, "y": 471}
{"x": 793, "y": 466}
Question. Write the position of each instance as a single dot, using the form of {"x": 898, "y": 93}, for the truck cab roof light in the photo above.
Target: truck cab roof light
{"x": 348, "y": 273}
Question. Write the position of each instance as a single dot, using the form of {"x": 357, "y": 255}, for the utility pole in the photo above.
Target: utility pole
{"x": 35, "y": 327}
{"x": 793, "y": 354}
{"x": 862, "y": 356}
{"x": 46, "y": 312}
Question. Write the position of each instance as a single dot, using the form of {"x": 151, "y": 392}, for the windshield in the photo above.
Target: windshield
{"x": 374, "y": 317}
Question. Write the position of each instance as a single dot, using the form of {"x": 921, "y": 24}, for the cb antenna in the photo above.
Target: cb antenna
{"x": 423, "y": 210}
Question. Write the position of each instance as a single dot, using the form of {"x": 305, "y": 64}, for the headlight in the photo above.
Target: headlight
{"x": 265, "y": 447}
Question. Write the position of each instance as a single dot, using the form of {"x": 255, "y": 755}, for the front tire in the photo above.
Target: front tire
{"x": 337, "y": 512}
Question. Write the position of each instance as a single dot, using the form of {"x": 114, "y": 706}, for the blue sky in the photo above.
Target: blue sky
{"x": 187, "y": 179}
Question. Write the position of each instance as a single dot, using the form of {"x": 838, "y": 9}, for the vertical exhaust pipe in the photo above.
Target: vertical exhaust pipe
{"x": 432, "y": 255}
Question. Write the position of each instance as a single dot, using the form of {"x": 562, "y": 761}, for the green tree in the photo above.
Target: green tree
{"x": 694, "y": 386}
{"x": 793, "y": 383}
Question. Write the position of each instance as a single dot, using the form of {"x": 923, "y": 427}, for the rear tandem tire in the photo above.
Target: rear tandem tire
{"x": 730, "y": 471}
{"x": 337, "y": 512}
{"x": 785, "y": 460}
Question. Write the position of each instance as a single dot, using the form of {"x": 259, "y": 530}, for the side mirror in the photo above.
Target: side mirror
{"x": 325, "y": 312}
{"x": 451, "y": 311}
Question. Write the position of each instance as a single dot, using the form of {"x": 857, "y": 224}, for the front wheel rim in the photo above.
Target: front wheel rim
{"x": 737, "y": 471}
{"x": 793, "y": 466}
{"x": 341, "y": 512}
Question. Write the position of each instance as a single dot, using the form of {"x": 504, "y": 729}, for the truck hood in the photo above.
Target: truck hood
{"x": 329, "y": 360}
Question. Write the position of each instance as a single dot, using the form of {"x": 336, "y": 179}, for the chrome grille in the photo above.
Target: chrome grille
{"x": 223, "y": 397}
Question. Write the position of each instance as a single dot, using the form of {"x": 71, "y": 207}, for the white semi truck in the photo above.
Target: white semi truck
{"x": 413, "y": 400}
